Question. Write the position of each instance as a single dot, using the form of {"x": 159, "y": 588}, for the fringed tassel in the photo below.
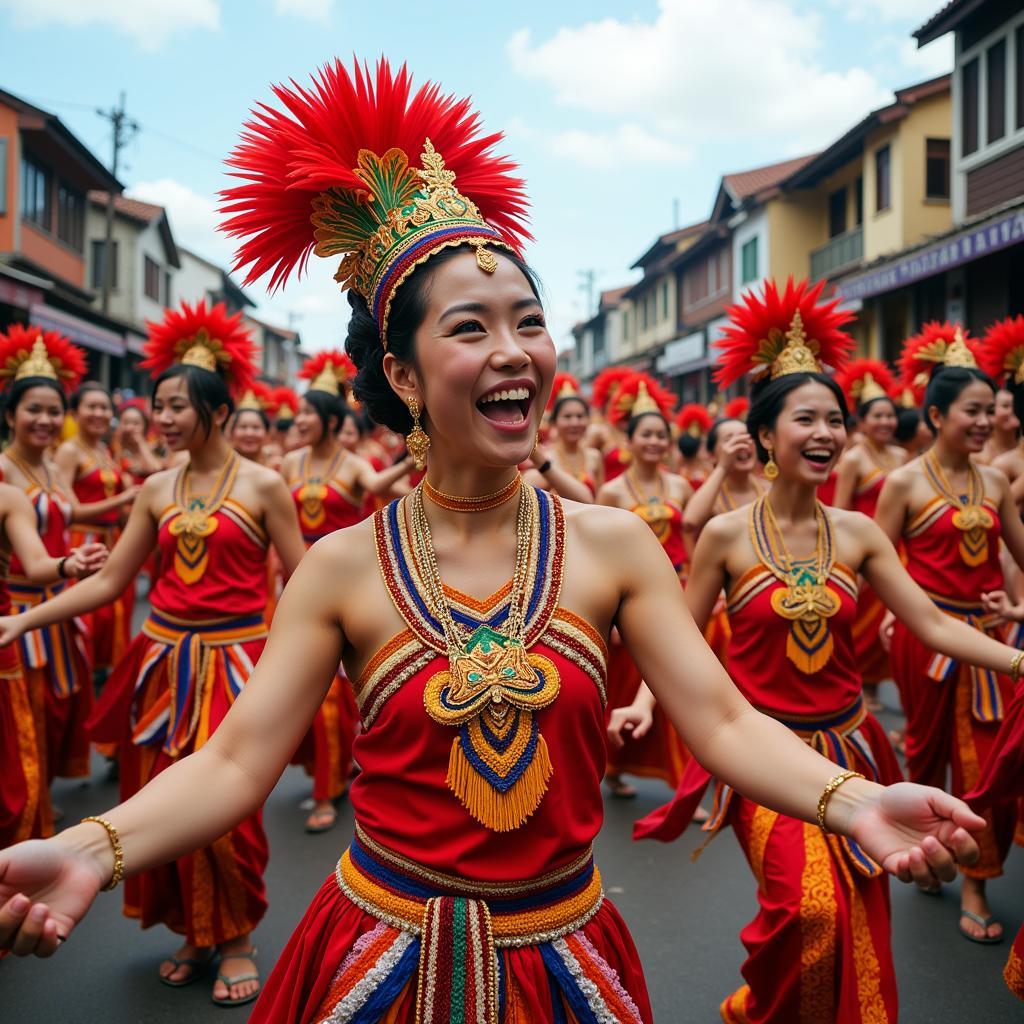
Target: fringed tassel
{"x": 809, "y": 649}
{"x": 498, "y": 811}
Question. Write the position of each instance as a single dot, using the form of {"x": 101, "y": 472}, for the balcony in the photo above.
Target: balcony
{"x": 841, "y": 253}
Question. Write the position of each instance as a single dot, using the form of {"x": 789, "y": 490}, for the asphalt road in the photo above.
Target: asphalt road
{"x": 685, "y": 918}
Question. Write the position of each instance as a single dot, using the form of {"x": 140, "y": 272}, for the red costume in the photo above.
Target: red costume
{"x": 871, "y": 655}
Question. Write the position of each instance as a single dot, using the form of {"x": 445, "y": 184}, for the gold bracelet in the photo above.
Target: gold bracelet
{"x": 1015, "y": 664}
{"x": 115, "y": 842}
{"x": 830, "y": 787}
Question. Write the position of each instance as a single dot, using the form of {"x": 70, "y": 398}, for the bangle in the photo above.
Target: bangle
{"x": 60, "y": 568}
{"x": 1015, "y": 664}
{"x": 544, "y": 467}
{"x": 115, "y": 843}
{"x": 830, "y": 787}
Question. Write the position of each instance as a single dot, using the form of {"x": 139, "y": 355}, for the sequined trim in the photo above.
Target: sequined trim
{"x": 818, "y": 914}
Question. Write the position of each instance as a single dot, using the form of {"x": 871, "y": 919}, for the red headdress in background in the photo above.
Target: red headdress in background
{"x": 208, "y": 338}
{"x": 329, "y": 371}
{"x": 606, "y": 383}
{"x": 1001, "y": 352}
{"x": 783, "y": 333}
{"x": 284, "y": 403}
{"x": 33, "y": 352}
{"x": 937, "y": 344}
{"x": 864, "y": 380}
{"x": 357, "y": 166}
{"x": 565, "y": 385}
{"x": 737, "y": 408}
{"x": 257, "y": 398}
{"x": 639, "y": 393}
{"x": 694, "y": 419}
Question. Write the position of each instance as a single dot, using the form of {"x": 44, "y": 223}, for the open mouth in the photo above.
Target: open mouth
{"x": 819, "y": 457}
{"x": 507, "y": 406}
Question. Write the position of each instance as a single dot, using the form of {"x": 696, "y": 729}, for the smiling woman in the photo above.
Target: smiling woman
{"x": 472, "y": 616}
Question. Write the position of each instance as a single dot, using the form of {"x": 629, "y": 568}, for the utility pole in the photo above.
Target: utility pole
{"x": 124, "y": 131}
{"x": 588, "y": 278}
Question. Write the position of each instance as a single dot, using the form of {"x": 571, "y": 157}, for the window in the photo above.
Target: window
{"x": 664, "y": 300}
{"x": 995, "y": 83}
{"x": 748, "y": 261}
{"x": 858, "y": 201}
{"x": 969, "y": 99}
{"x": 936, "y": 185}
{"x": 883, "y": 179}
{"x": 36, "y": 201}
{"x": 151, "y": 284}
{"x": 643, "y": 314}
{"x": 167, "y": 288}
{"x": 3, "y": 177}
{"x": 71, "y": 217}
{"x": 98, "y": 252}
{"x": 625, "y": 324}
{"x": 1019, "y": 90}
{"x": 837, "y": 213}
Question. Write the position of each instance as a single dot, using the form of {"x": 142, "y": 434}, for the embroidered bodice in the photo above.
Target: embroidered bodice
{"x": 402, "y": 798}
{"x": 53, "y": 515}
{"x": 97, "y": 482}
{"x": 665, "y": 518}
{"x": 865, "y": 497}
{"x": 758, "y": 661}
{"x": 323, "y": 505}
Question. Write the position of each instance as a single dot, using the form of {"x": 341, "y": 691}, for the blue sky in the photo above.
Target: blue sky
{"x": 615, "y": 112}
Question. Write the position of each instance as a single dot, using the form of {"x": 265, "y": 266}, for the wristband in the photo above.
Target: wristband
{"x": 60, "y": 568}
{"x": 544, "y": 467}
{"x": 115, "y": 844}
{"x": 833, "y": 784}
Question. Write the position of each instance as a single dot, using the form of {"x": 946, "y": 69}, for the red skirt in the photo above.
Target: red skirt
{"x": 872, "y": 658}
{"x": 326, "y": 751}
{"x": 110, "y": 626}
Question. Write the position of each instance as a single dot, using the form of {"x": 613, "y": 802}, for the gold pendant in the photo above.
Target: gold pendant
{"x": 190, "y": 554}
{"x": 974, "y": 522}
{"x": 109, "y": 480}
{"x": 311, "y": 502}
{"x": 808, "y": 606}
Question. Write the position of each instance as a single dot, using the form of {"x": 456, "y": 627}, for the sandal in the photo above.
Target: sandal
{"x": 984, "y": 922}
{"x": 321, "y": 821}
{"x": 197, "y": 965}
{"x": 620, "y": 790}
{"x": 249, "y": 954}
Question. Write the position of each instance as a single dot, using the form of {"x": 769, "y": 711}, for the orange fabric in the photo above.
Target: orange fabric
{"x": 25, "y": 811}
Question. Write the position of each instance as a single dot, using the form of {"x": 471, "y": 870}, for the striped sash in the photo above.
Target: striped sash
{"x": 58, "y": 648}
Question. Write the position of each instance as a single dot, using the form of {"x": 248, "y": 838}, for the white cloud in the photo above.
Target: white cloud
{"x": 148, "y": 22}
{"x": 193, "y": 217}
{"x": 916, "y": 12}
{"x": 627, "y": 143}
{"x": 695, "y": 78}
{"x": 310, "y": 10}
{"x": 931, "y": 60}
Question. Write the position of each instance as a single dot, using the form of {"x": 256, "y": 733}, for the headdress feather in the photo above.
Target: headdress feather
{"x": 737, "y": 408}
{"x": 32, "y": 352}
{"x": 864, "y": 380}
{"x": 639, "y": 392}
{"x": 694, "y": 419}
{"x": 1001, "y": 352}
{"x": 284, "y": 403}
{"x": 565, "y": 385}
{"x": 606, "y": 383}
{"x": 329, "y": 370}
{"x": 936, "y": 344}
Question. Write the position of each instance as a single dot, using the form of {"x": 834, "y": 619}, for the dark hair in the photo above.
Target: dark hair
{"x": 325, "y": 405}
{"x": 84, "y": 389}
{"x": 1017, "y": 391}
{"x": 207, "y": 391}
{"x": 18, "y": 391}
{"x": 259, "y": 412}
{"x": 907, "y": 422}
{"x": 864, "y": 407}
{"x": 769, "y": 396}
{"x": 346, "y": 412}
{"x": 945, "y": 387}
{"x": 717, "y": 425}
{"x": 363, "y": 343}
{"x": 561, "y": 402}
{"x": 688, "y": 445}
{"x": 634, "y": 422}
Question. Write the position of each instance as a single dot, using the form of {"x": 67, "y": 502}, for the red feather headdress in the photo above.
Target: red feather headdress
{"x": 208, "y": 338}
{"x": 328, "y": 371}
{"x": 737, "y": 408}
{"x": 783, "y": 333}
{"x": 565, "y": 385}
{"x": 284, "y": 403}
{"x": 356, "y": 165}
{"x": 694, "y": 419}
{"x": 606, "y": 383}
{"x": 864, "y": 380}
{"x": 1001, "y": 352}
{"x": 637, "y": 394}
{"x": 257, "y": 398}
{"x": 937, "y": 344}
{"x": 33, "y": 352}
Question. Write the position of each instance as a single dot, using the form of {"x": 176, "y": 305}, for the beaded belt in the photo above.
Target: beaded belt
{"x": 451, "y": 929}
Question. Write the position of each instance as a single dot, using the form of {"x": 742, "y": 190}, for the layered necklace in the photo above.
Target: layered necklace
{"x": 970, "y": 517}
{"x": 726, "y": 498}
{"x": 109, "y": 476}
{"x": 482, "y": 503}
{"x": 499, "y": 766}
{"x": 654, "y": 509}
{"x": 805, "y": 599}
{"x": 313, "y": 489}
{"x": 195, "y": 520}
{"x": 575, "y": 462}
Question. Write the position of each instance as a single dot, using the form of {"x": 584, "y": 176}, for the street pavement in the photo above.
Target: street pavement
{"x": 685, "y": 918}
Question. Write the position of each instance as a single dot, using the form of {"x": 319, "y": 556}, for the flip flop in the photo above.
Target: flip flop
{"x": 620, "y": 790}
{"x": 196, "y": 964}
{"x": 326, "y": 826}
{"x": 984, "y": 922}
{"x": 244, "y": 955}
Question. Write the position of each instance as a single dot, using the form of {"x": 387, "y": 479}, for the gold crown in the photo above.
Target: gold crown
{"x": 38, "y": 363}
{"x": 328, "y": 379}
{"x": 907, "y": 399}
{"x": 796, "y": 355}
{"x": 643, "y": 403}
{"x": 567, "y": 390}
{"x": 958, "y": 354}
{"x": 250, "y": 402}
{"x": 867, "y": 389}
{"x": 285, "y": 412}
{"x": 201, "y": 351}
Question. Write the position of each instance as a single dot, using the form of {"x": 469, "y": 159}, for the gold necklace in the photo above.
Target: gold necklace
{"x": 491, "y": 688}
{"x": 806, "y": 600}
{"x": 463, "y": 503}
{"x": 577, "y": 463}
{"x": 313, "y": 490}
{"x": 970, "y": 517}
{"x": 29, "y": 473}
{"x": 104, "y": 463}
{"x": 728, "y": 502}
{"x": 195, "y": 520}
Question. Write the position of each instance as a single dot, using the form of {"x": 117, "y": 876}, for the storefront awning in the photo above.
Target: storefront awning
{"x": 681, "y": 352}
{"x": 81, "y": 332}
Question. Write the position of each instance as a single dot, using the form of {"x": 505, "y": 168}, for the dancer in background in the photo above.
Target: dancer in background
{"x": 249, "y": 426}
{"x": 286, "y": 435}
{"x": 1008, "y": 335}
{"x": 1005, "y": 430}
{"x": 603, "y": 434}
{"x": 693, "y": 422}
{"x": 131, "y": 445}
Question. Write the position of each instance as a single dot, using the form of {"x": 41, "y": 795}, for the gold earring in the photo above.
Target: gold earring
{"x": 417, "y": 441}
{"x": 771, "y": 467}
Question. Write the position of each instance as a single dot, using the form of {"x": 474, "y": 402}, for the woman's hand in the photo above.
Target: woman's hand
{"x": 917, "y": 833}
{"x": 733, "y": 448}
{"x": 11, "y": 629}
{"x": 85, "y": 560}
{"x": 885, "y": 631}
{"x": 630, "y": 722}
{"x": 997, "y": 602}
{"x": 45, "y": 890}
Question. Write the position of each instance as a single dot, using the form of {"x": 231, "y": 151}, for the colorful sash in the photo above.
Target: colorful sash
{"x": 451, "y": 930}
{"x": 196, "y": 653}
{"x": 58, "y": 648}
{"x": 987, "y": 699}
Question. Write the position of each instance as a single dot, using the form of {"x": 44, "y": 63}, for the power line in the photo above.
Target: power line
{"x": 125, "y": 130}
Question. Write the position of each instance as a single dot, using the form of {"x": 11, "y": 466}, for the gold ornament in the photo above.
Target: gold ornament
{"x": 417, "y": 440}
{"x": 970, "y": 517}
{"x": 328, "y": 380}
{"x": 796, "y": 355}
{"x": 249, "y": 402}
{"x": 195, "y": 520}
{"x": 201, "y": 353}
{"x": 643, "y": 403}
{"x": 38, "y": 363}
{"x": 867, "y": 389}
{"x": 958, "y": 354}
{"x": 771, "y": 467}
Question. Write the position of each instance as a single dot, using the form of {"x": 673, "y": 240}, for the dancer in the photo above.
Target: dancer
{"x": 88, "y": 470}
{"x": 131, "y": 446}
{"x": 951, "y": 515}
{"x": 693, "y": 422}
{"x": 249, "y": 427}
{"x": 1008, "y": 335}
{"x": 602, "y": 434}
{"x": 659, "y": 498}
{"x": 819, "y": 948}
{"x": 1005, "y": 430}
{"x": 483, "y": 875}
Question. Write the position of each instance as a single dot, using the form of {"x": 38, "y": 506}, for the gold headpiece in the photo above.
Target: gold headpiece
{"x": 958, "y": 354}
{"x": 326, "y": 380}
{"x": 867, "y": 389}
{"x": 643, "y": 402}
{"x": 796, "y": 355}
{"x": 202, "y": 352}
{"x": 250, "y": 402}
{"x": 567, "y": 390}
{"x": 38, "y": 363}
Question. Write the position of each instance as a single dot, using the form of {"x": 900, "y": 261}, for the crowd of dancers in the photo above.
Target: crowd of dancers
{"x": 840, "y": 523}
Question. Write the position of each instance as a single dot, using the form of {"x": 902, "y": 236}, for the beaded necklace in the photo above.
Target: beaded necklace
{"x": 462, "y": 503}
{"x": 313, "y": 489}
{"x": 499, "y": 765}
{"x": 195, "y": 519}
{"x": 29, "y": 473}
{"x": 970, "y": 517}
{"x": 576, "y": 463}
{"x": 805, "y": 600}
